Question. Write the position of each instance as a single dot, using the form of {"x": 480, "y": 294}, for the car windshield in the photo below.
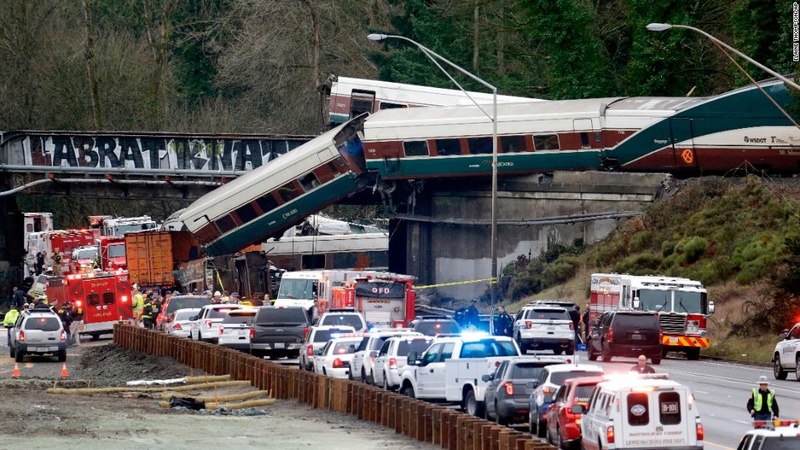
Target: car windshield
{"x": 546, "y": 314}
{"x": 48, "y": 323}
{"x": 327, "y": 335}
{"x": 344, "y": 347}
{"x": 583, "y": 392}
{"x": 352, "y": 320}
{"x": 176, "y": 303}
{"x": 488, "y": 348}
{"x": 432, "y": 328}
{"x": 292, "y": 316}
{"x": 116, "y": 251}
{"x": 185, "y": 314}
{"x": 790, "y": 442}
{"x": 560, "y": 377}
{"x": 297, "y": 288}
{"x": 661, "y": 300}
{"x": 413, "y": 345}
{"x": 239, "y": 318}
{"x": 88, "y": 253}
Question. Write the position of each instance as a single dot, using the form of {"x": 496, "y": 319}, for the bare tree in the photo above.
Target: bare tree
{"x": 88, "y": 55}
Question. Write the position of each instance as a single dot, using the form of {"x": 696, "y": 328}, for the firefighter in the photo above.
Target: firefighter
{"x": 137, "y": 303}
{"x": 65, "y": 314}
{"x": 762, "y": 404}
{"x": 9, "y": 320}
{"x": 147, "y": 314}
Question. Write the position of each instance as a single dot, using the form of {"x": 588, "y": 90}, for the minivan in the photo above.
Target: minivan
{"x": 626, "y": 333}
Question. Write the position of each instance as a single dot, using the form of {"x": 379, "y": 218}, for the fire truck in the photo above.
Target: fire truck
{"x": 52, "y": 242}
{"x": 102, "y": 299}
{"x": 384, "y": 299}
{"x": 682, "y": 306}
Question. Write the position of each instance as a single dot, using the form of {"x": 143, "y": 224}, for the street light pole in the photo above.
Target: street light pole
{"x": 433, "y": 56}
{"x": 667, "y": 26}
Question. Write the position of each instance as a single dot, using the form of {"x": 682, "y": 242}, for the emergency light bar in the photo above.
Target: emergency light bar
{"x": 776, "y": 423}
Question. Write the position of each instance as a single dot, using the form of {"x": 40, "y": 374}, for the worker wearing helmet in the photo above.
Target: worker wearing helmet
{"x": 137, "y": 302}
{"x": 9, "y": 320}
{"x": 762, "y": 404}
{"x": 217, "y": 297}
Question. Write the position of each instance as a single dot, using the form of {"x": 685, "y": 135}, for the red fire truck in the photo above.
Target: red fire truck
{"x": 384, "y": 299}
{"x": 56, "y": 241}
{"x": 102, "y": 299}
{"x": 682, "y": 306}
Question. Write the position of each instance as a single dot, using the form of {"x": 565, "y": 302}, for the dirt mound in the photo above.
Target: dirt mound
{"x": 112, "y": 365}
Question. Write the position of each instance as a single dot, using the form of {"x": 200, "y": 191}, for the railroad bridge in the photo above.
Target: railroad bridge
{"x": 444, "y": 237}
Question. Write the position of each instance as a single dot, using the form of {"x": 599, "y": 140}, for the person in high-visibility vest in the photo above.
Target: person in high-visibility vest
{"x": 762, "y": 404}
{"x": 137, "y": 302}
{"x": 9, "y": 320}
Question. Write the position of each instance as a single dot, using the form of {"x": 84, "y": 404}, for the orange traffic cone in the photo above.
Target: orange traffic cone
{"x": 15, "y": 373}
{"x": 64, "y": 373}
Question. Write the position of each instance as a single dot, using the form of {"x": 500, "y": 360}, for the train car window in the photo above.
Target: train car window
{"x": 584, "y": 139}
{"x": 267, "y": 203}
{"x": 313, "y": 262}
{"x": 415, "y": 148}
{"x": 225, "y": 223}
{"x": 598, "y": 136}
{"x": 108, "y": 298}
{"x": 246, "y": 213}
{"x": 288, "y": 192}
{"x": 546, "y": 142}
{"x": 361, "y": 102}
{"x": 389, "y": 105}
{"x": 446, "y": 147}
{"x": 309, "y": 181}
{"x": 512, "y": 144}
{"x": 338, "y": 165}
{"x": 480, "y": 146}
{"x": 208, "y": 233}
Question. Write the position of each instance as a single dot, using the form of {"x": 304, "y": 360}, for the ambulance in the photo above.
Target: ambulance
{"x": 641, "y": 412}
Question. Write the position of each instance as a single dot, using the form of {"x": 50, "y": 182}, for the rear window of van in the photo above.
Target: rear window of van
{"x": 47, "y": 323}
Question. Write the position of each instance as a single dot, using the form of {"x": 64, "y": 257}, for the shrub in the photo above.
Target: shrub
{"x": 640, "y": 241}
{"x": 639, "y": 264}
{"x": 693, "y": 248}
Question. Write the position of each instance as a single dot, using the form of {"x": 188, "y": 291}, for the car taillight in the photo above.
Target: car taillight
{"x": 208, "y": 324}
{"x": 699, "y": 427}
{"x": 610, "y": 334}
{"x": 63, "y": 335}
{"x": 310, "y": 350}
{"x": 337, "y": 363}
{"x": 528, "y": 324}
{"x": 392, "y": 363}
{"x": 177, "y": 326}
{"x": 571, "y": 326}
{"x": 221, "y": 330}
{"x": 305, "y": 333}
{"x": 21, "y": 335}
{"x": 509, "y": 386}
{"x": 610, "y": 434}
{"x": 252, "y": 333}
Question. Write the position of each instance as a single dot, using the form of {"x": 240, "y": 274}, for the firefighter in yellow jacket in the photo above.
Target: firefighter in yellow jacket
{"x": 9, "y": 320}
{"x": 137, "y": 303}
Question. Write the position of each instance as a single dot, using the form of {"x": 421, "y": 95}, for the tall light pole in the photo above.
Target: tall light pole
{"x": 667, "y": 26}
{"x": 433, "y": 56}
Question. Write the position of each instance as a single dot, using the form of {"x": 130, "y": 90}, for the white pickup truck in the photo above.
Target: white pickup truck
{"x": 452, "y": 368}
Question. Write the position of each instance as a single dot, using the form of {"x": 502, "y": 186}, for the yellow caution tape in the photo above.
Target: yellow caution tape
{"x": 456, "y": 283}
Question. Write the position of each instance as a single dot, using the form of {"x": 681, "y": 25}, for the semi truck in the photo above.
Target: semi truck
{"x": 682, "y": 306}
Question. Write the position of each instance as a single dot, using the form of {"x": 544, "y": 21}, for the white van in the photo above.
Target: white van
{"x": 642, "y": 412}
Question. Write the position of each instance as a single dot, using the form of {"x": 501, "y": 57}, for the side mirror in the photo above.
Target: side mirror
{"x": 711, "y": 307}
{"x": 374, "y": 353}
{"x": 412, "y": 359}
{"x": 576, "y": 409}
{"x": 487, "y": 378}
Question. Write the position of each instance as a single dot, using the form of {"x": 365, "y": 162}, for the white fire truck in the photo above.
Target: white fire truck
{"x": 682, "y": 305}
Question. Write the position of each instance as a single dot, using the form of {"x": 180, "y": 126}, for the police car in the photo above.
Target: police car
{"x": 786, "y": 357}
{"x": 772, "y": 434}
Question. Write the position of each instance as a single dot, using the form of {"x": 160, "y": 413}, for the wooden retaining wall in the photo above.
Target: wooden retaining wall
{"x": 452, "y": 430}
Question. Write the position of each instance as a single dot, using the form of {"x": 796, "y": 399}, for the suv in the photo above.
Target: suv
{"x": 364, "y": 359}
{"x": 786, "y": 357}
{"x": 435, "y": 325}
{"x": 234, "y": 331}
{"x": 317, "y": 337}
{"x": 626, "y": 333}
{"x": 564, "y": 414}
{"x": 510, "y": 386}
{"x": 771, "y": 434}
{"x": 543, "y": 327}
{"x": 38, "y": 331}
{"x": 393, "y": 356}
{"x": 545, "y": 387}
{"x": 205, "y": 325}
{"x": 176, "y": 302}
{"x": 278, "y": 332}
{"x": 339, "y": 317}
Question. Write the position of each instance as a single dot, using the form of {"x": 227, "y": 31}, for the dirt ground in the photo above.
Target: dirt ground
{"x": 34, "y": 419}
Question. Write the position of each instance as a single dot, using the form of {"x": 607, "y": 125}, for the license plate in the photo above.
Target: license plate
{"x": 551, "y": 328}
{"x": 673, "y": 340}
{"x": 637, "y": 337}
{"x": 280, "y": 345}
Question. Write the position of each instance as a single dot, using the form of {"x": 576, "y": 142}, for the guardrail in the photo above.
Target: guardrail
{"x": 426, "y": 422}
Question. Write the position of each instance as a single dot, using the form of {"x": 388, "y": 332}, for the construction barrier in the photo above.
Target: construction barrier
{"x": 419, "y": 420}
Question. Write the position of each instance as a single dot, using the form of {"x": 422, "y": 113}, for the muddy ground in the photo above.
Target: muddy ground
{"x": 32, "y": 418}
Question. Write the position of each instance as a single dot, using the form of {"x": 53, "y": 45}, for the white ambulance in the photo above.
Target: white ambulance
{"x": 642, "y": 412}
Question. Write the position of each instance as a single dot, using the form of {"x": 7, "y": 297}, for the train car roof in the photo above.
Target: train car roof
{"x": 200, "y": 207}
{"x": 653, "y": 105}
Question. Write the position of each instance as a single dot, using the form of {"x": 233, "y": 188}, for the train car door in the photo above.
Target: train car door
{"x": 683, "y": 152}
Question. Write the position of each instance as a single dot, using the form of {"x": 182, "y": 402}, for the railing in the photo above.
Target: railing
{"x": 419, "y": 420}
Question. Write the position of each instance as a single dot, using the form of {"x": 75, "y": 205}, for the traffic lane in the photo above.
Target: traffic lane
{"x": 42, "y": 366}
{"x": 721, "y": 390}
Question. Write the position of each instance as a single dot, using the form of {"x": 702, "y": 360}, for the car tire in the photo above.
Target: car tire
{"x": 498, "y": 419}
{"x": 62, "y": 355}
{"x": 10, "y": 351}
{"x": 591, "y": 355}
{"x": 571, "y": 351}
{"x": 386, "y": 383}
{"x": 19, "y": 356}
{"x": 693, "y": 354}
{"x": 607, "y": 356}
{"x": 408, "y": 391}
{"x": 363, "y": 375}
{"x": 796, "y": 372}
{"x": 548, "y": 437}
{"x": 777, "y": 369}
{"x": 541, "y": 428}
{"x": 558, "y": 351}
{"x": 656, "y": 360}
{"x": 531, "y": 425}
{"x": 471, "y": 404}
{"x": 324, "y": 372}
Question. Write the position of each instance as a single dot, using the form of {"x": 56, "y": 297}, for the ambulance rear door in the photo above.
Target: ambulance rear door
{"x": 657, "y": 417}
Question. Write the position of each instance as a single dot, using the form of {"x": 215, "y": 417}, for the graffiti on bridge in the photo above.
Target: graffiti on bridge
{"x": 154, "y": 152}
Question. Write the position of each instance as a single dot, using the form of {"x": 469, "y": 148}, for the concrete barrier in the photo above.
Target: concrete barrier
{"x": 416, "y": 419}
